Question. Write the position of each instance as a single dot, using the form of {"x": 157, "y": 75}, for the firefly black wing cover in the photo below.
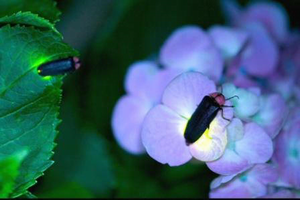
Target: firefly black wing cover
{"x": 57, "y": 67}
{"x": 201, "y": 118}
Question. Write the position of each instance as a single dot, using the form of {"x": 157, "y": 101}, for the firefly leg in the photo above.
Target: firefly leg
{"x": 224, "y": 117}
{"x": 228, "y": 106}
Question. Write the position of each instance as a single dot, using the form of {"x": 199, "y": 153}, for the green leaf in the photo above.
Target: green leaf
{"x": 29, "y": 19}
{"x": 28, "y": 195}
{"x": 44, "y": 8}
{"x": 9, "y": 170}
{"x": 29, "y": 103}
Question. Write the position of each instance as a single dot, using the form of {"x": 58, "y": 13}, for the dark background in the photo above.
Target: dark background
{"x": 110, "y": 35}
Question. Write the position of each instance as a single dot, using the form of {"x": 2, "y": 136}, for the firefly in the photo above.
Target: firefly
{"x": 59, "y": 67}
{"x": 205, "y": 113}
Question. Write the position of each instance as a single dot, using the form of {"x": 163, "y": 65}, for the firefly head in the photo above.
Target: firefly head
{"x": 76, "y": 62}
{"x": 218, "y": 97}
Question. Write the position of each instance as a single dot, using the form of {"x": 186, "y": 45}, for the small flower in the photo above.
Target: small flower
{"x": 287, "y": 151}
{"x": 144, "y": 84}
{"x": 191, "y": 49}
{"x": 249, "y": 184}
{"x": 247, "y": 145}
{"x": 164, "y": 125}
{"x": 247, "y": 103}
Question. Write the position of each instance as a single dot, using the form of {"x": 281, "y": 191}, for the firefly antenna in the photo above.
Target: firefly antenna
{"x": 233, "y": 97}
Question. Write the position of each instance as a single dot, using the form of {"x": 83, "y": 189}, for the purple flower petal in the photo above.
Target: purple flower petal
{"x": 260, "y": 57}
{"x": 256, "y": 146}
{"x": 186, "y": 91}
{"x": 297, "y": 93}
{"x": 190, "y": 48}
{"x": 228, "y": 40}
{"x": 221, "y": 180}
{"x": 249, "y": 184}
{"x": 274, "y": 192}
{"x": 271, "y": 15}
{"x": 285, "y": 86}
{"x": 235, "y": 130}
{"x": 280, "y": 182}
{"x": 237, "y": 189}
{"x": 139, "y": 78}
{"x": 127, "y": 120}
{"x": 264, "y": 173}
{"x": 255, "y": 90}
{"x": 160, "y": 82}
{"x": 241, "y": 152}
{"x": 162, "y": 136}
{"x": 272, "y": 114}
{"x": 243, "y": 81}
{"x": 293, "y": 118}
{"x": 287, "y": 154}
{"x": 230, "y": 163}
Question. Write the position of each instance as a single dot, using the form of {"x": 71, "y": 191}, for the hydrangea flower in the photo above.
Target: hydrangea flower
{"x": 269, "y": 111}
{"x": 287, "y": 151}
{"x": 258, "y": 60}
{"x": 164, "y": 125}
{"x": 190, "y": 48}
{"x": 145, "y": 81}
{"x": 144, "y": 84}
{"x": 247, "y": 145}
{"x": 269, "y": 14}
{"x": 249, "y": 184}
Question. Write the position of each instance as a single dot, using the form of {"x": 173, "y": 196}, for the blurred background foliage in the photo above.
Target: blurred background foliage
{"x": 110, "y": 35}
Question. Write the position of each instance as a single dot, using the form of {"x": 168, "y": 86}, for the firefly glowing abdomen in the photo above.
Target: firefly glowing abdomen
{"x": 59, "y": 67}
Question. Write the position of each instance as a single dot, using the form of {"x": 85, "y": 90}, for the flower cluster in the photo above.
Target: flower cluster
{"x": 250, "y": 125}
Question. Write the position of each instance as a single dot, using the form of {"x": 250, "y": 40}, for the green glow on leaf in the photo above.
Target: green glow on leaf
{"x": 38, "y": 61}
{"x": 47, "y": 78}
